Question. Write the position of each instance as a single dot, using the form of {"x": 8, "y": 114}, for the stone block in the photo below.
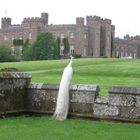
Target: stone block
{"x": 124, "y": 90}
{"x": 82, "y": 97}
{"x": 41, "y": 100}
{"x": 13, "y": 90}
{"x": 121, "y": 100}
{"x": 101, "y": 100}
{"x": 137, "y": 101}
{"x": 129, "y": 113}
{"x": 81, "y": 108}
{"x": 102, "y": 110}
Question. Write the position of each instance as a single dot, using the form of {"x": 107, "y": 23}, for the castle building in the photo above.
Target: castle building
{"x": 127, "y": 47}
{"x": 91, "y": 39}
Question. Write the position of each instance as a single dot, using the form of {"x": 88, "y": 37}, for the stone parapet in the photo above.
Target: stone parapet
{"x": 18, "y": 95}
{"x": 42, "y": 97}
{"x": 13, "y": 91}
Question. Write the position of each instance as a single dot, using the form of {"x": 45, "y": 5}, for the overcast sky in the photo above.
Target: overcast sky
{"x": 123, "y": 13}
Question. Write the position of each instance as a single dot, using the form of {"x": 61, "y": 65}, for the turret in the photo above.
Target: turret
{"x": 107, "y": 34}
{"x": 80, "y": 21}
{"x": 94, "y": 26}
{"x": 45, "y": 17}
{"x": 93, "y": 20}
{"x": 5, "y": 23}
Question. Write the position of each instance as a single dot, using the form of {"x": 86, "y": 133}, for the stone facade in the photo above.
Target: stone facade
{"x": 91, "y": 39}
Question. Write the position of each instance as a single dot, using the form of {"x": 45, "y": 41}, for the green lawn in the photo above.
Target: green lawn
{"x": 103, "y": 72}
{"x": 43, "y": 128}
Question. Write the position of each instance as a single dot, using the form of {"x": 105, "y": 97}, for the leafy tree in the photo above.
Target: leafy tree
{"x": 66, "y": 45}
{"x": 5, "y": 54}
{"x": 45, "y": 47}
{"x": 18, "y": 43}
{"x": 57, "y": 48}
{"x": 26, "y": 50}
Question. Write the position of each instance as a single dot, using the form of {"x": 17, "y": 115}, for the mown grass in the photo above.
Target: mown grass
{"x": 103, "y": 72}
{"x": 43, "y": 128}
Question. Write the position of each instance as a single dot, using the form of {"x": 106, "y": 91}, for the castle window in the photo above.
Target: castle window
{"x": 85, "y": 35}
{"x": 5, "y": 37}
{"x": 13, "y": 37}
{"x": 126, "y": 54}
{"x": 117, "y": 53}
{"x": 62, "y": 35}
{"x": 71, "y": 49}
{"x": 122, "y": 54}
{"x": 135, "y": 55}
{"x": 30, "y": 36}
{"x": 84, "y": 51}
{"x": 72, "y": 34}
{"x": 61, "y": 50}
{"x": 20, "y": 37}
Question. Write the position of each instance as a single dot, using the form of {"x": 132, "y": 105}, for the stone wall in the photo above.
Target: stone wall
{"x": 13, "y": 91}
{"x": 123, "y": 103}
{"x": 42, "y": 98}
{"x": 18, "y": 95}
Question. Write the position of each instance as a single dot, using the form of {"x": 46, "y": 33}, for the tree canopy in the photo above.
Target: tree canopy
{"x": 45, "y": 47}
{"x": 5, "y": 54}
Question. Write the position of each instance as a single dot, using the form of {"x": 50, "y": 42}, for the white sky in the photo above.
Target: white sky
{"x": 123, "y": 13}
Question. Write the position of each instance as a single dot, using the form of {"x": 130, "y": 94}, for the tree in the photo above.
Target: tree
{"x": 66, "y": 45}
{"x": 44, "y": 48}
{"x": 57, "y": 49}
{"x": 18, "y": 43}
{"x": 5, "y": 54}
{"x": 26, "y": 50}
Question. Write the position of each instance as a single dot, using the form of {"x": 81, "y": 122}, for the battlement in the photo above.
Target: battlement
{"x": 57, "y": 27}
{"x": 106, "y": 21}
{"x": 14, "y": 28}
{"x": 6, "y": 19}
{"x": 5, "y": 22}
{"x": 93, "y": 18}
{"x": 33, "y": 19}
{"x": 15, "y": 25}
{"x": 80, "y": 21}
{"x": 113, "y": 27}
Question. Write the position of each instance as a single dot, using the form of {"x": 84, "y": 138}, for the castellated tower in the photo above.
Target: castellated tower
{"x": 94, "y": 27}
{"x": 80, "y": 21}
{"x": 106, "y": 37}
{"x": 80, "y": 35}
{"x": 5, "y": 23}
{"x": 113, "y": 40}
{"x": 34, "y": 25}
{"x": 45, "y": 17}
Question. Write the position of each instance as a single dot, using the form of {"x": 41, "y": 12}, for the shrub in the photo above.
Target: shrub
{"x": 76, "y": 55}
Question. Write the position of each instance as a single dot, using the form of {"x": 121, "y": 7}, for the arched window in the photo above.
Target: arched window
{"x": 71, "y": 49}
{"x": 61, "y": 50}
{"x": 30, "y": 36}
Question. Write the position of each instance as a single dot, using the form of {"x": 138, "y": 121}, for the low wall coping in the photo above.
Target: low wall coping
{"x": 10, "y": 75}
{"x": 78, "y": 87}
{"x": 124, "y": 90}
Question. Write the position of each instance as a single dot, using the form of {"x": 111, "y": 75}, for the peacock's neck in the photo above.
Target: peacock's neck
{"x": 70, "y": 63}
